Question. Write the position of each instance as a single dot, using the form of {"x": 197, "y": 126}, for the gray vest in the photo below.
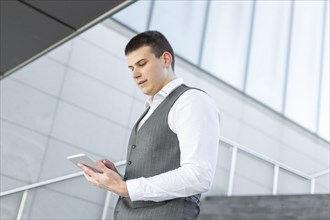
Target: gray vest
{"x": 152, "y": 150}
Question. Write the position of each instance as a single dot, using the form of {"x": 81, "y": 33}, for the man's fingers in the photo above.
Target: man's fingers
{"x": 101, "y": 165}
{"x": 88, "y": 175}
{"x": 108, "y": 164}
{"x": 86, "y": 169}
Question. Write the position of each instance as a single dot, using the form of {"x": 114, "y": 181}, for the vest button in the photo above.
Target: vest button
{"x": 134, "y": 146}
{"x": 129, "y": 162}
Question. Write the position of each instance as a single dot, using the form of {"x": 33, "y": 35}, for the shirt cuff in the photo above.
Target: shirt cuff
{"x": 134, "y": 189}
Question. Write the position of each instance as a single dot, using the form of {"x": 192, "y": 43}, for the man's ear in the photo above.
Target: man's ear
{"x": 168, "y": 59}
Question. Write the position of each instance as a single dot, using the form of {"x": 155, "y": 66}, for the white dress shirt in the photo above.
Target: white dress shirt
{"x": 195, "y": 119}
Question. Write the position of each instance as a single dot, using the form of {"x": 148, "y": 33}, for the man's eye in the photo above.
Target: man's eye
{"x": 142, "y": 64}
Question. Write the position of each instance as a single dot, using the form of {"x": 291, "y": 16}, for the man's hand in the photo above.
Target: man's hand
{"x": 110, "y": 165}
{"x": 109, "y": 179}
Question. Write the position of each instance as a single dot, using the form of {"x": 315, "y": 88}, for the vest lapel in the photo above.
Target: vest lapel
{"x": 138, "y": 121}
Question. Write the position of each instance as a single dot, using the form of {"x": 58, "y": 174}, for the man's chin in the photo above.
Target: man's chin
{"x": 145, "y": 91}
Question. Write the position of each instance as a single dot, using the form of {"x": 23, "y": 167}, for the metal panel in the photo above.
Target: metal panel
{"x": 25, "y": 32}
{"x": 31, "y": 28}
{"x": 75, "y": 13}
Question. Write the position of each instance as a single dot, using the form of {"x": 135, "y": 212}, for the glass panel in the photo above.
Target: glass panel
{"x": 9, "y": 205}
{"x": 221, "y": 178}
{"x": 182, "y": 24}
{"x": 135, "y": 16}
{"x": 290, "y": 183}
{"x": 323, "y": 128}
{"x": 69, "y": 199}
{"x": 322, "y": 184}
{"x": 226, "y": 40}
{"x": 304, "y": 67}
{"x": 268, "y": 52}
{"x": 253, "y": 176}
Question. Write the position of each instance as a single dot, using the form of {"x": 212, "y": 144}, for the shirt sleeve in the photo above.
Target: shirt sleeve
{"x": 196, "y": 121}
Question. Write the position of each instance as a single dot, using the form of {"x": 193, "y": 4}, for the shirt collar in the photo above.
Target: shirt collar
{"x": 163, "y": 93}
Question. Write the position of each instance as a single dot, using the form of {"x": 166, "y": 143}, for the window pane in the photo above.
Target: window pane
{"x": 182, "y": 23}
{"x": 304, "y": 67}
{"x": 221, "y": 177}
{"x": 135, "y": 16}
{"x": 290, "y": 183}
{"x": 226, "y": 40}
{"x": 74, "y": 199}
{"x": 268, "y": 52}
{"x": 322, "y": 184}
{"x": 324, "y": 108}
{"x": 10, "y": 205}
{"x": 253, "y": 176}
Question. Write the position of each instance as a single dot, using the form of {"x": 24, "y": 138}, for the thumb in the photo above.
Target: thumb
{"x": 109, "y": 164}
{"x": 101, "y": 165}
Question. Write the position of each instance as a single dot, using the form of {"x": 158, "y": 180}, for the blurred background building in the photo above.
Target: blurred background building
{"x": 266, "y": 64}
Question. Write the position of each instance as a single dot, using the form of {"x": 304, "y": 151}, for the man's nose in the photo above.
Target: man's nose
{"x": 136, "y": 73}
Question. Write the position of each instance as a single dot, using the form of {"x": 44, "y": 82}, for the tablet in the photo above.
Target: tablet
{"x": 83, "y": 159}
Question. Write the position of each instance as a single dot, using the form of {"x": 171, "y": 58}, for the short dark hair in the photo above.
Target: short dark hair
{"x": 154, "y": 39}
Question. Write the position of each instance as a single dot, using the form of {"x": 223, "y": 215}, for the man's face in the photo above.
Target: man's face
{"x": 148, "y": 71}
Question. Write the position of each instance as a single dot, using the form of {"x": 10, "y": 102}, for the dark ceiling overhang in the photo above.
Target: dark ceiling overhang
{"x": 30, "y": 28}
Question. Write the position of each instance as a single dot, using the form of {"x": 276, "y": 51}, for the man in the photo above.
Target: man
{"x": 172, "y": 151}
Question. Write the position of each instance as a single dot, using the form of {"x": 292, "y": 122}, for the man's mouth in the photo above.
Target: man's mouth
{"x": 142, "y": 82}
